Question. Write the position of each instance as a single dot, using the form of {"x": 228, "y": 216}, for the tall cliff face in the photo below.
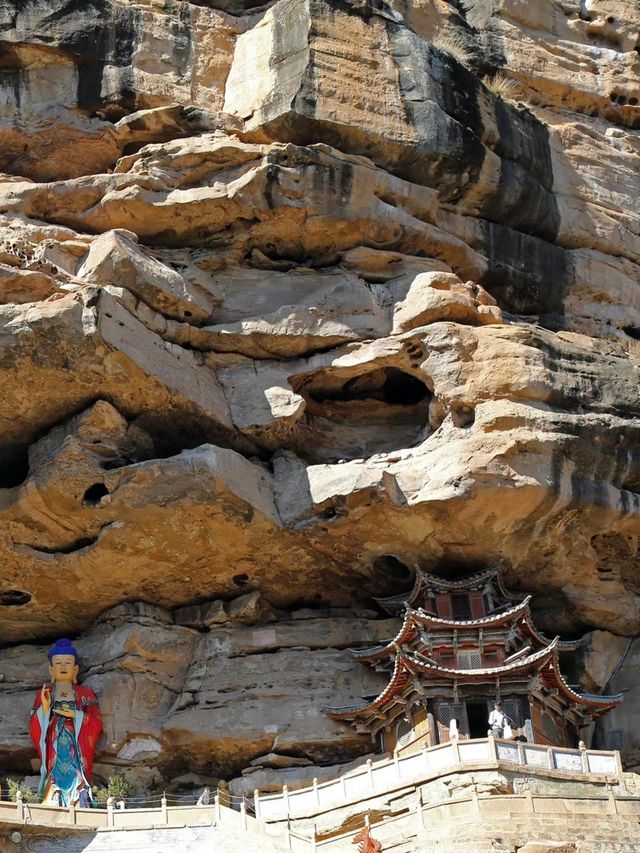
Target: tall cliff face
{"x": 293, "y": 298}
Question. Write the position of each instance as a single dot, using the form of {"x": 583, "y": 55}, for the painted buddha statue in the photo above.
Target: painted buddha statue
{"x": 65, "y": 726}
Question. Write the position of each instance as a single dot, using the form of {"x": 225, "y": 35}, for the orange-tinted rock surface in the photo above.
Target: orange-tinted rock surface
{"x": 293, "y": 298}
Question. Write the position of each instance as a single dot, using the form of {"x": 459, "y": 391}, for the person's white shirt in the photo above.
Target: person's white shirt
{"x": 497, "y": 718}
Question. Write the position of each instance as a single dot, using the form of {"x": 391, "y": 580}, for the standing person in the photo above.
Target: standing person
{"x": 84, "y": 798}
{"x": 203, "y": 799}
{"x": 497, "y": 720}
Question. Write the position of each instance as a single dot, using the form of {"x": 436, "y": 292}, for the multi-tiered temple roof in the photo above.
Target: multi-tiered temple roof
{"x": 467, "y": 638}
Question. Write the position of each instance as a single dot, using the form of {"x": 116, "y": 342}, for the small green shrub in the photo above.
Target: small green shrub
{"x": 100, "y": 795}
{"x": 28, "y": 796}
{"x": 118, "y": 787}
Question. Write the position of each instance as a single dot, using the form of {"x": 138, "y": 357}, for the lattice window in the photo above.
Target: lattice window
{"x": 512, "y": 708}
{"x": 445, "y": 712}
{"x": 471, "y": 659}
{"x": 404, "y": 733}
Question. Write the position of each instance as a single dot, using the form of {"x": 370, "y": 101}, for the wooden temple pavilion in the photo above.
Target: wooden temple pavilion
{"x": 464, "y": 644}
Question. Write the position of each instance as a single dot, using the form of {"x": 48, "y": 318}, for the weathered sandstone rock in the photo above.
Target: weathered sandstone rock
{"x": 172, "y": 697}
{"x": 294, "y": 297}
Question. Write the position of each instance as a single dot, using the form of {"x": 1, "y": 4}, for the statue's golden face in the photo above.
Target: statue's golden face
{"x": 63, "y": 668}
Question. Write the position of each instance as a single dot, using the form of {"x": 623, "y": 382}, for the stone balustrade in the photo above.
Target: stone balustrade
{"x": 380, "y": 776}
{"x": 370, "y": 779}
{"x": 474, "y": 820}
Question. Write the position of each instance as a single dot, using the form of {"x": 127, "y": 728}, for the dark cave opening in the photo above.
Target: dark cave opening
{"x": 14, "y": 468}
{"x": 388, "y": 385}
{"x": 14, "y": 598}
{"x": 632, "y": 331}
{"x": 389, "y": 568}
{"x": 353, "y": 417}
{"x": 94, "y": 494}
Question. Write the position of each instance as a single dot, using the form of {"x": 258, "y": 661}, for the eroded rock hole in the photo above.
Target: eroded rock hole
{"x": 388, "y": 385}
{"x": 355, "y": 417}
{"x": 14, "y": 468}
{"x": 241, "y": 580}
{"x": 14, "y": 598}
{"x": 632, "y": 331}
{"x": 463, "y": 417}
{"x": 390, "y": 568}
{"x": 94, "y": 494}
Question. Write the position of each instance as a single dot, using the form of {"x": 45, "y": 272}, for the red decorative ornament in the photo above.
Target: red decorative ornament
{"x": 366, "y": 842}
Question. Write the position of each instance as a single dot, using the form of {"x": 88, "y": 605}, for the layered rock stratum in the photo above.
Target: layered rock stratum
{"x": 296, "y": 297}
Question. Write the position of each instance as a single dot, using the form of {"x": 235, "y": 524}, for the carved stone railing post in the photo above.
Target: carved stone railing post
{"x": 583, "y": 756}
{"x": 256, "y": 803}
{"x": 163, "y": 809}
{"x": 456, "y": 751}
{"x": 550, "y": 758}
{"x": 493, "y": 749}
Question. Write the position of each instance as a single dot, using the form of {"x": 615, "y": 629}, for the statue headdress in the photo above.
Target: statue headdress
{"x": 62, "y": 647}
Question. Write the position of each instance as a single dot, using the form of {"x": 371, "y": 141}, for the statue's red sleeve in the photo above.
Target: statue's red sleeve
{"x": 91, "y": 726}
{"x": 35, "y": 729}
